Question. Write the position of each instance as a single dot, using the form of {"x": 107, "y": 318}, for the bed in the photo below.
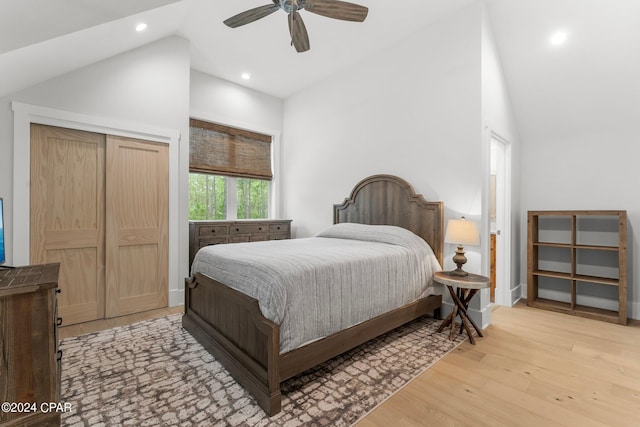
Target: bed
{"x": 260, "y": 350}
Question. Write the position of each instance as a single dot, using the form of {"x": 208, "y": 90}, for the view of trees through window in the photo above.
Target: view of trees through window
{"x": 209, "y": 197}
{"x": 253, "y": 198}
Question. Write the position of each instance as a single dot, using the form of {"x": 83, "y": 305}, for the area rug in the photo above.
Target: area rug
{"x": 154, "y": 373}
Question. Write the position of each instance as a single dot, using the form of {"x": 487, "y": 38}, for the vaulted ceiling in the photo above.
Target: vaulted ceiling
{"x": 593, "y": 73}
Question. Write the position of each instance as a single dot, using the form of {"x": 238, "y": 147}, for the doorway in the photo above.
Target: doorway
{"x": 500, "y": 218}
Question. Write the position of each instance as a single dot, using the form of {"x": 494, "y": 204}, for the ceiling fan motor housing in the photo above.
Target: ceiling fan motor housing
{"x": 291, "y": 5}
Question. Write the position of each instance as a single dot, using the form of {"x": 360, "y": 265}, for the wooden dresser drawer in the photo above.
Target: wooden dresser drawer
{"x": 248, "y": 229}
{"x": 212, "y": 241}
{"x": 279, "y": 236}
{"x": 205, "y": 231}
{"x": 280, "y": 228}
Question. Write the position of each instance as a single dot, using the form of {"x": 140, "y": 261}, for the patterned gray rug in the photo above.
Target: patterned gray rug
{"x": 154, "y": 373}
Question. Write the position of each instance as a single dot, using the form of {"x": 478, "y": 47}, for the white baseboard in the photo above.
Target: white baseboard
{"x": 516, "y": 294}
{"x": 176, "y": 297}
{"x": 480, "y": 317}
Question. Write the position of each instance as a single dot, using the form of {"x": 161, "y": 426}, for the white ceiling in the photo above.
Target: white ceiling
{"x": 25, "y": 22}
{"x": 595, "y": 72}
{"x": 263, "y": 48}
{"x": 591, "y": 84}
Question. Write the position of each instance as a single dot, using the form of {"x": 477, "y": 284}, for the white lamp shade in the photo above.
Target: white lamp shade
{"x": 462, "y": 232}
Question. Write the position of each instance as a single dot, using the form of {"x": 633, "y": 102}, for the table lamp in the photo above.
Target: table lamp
{"x": 461, "y": 232}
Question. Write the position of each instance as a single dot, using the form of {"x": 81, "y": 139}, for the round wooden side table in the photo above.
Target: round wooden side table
{"x": 467, "y": 287}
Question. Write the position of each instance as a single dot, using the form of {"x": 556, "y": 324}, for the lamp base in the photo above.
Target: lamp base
{"x": 458, "y": 272}
{"x": 459, "y": 259}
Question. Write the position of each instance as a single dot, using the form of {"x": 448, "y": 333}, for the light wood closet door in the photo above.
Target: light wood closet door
{"x": 67, "y": 216}
{"x": 137, "y": 212}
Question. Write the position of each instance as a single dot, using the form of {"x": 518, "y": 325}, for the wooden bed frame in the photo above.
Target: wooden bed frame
{"x": 230, "y": 325}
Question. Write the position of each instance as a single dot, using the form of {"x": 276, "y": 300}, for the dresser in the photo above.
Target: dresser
{"x": 205, "y": 233}
{"x": 29, "y": 355}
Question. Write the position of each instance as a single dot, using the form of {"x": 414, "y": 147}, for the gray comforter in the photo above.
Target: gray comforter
{"x": 313, "y": 287}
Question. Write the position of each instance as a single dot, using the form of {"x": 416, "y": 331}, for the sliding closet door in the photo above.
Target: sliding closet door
{"x": 67, "y": 216}
{"x": 137, "y": 213}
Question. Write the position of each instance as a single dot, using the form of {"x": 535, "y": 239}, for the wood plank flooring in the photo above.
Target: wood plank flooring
{"x": 100, "y": 325}
{"x": 533, "y": 368}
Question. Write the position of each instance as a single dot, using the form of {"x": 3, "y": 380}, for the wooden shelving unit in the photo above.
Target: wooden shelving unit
{"x": 576, "y": 259}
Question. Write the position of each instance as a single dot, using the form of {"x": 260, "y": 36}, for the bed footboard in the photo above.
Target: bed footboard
{"x": 230, "y": 325}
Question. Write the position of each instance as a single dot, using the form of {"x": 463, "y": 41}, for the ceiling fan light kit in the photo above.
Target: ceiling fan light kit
{"x": 335, "y": 9}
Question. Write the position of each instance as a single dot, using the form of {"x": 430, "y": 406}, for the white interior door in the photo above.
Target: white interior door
{"x": 500, "y": 221}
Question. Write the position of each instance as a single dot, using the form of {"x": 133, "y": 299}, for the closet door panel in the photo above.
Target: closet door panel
{"x": 137, "y": 211}
{"x": 67, "y": 216}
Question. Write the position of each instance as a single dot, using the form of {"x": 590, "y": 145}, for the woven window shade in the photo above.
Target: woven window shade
{"x": 224, "y": 150}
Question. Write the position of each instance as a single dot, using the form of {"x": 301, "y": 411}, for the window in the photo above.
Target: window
{"x": 253, "y": 198}
{"x": 230, "y": 173}
{"x": 207, "y": 196}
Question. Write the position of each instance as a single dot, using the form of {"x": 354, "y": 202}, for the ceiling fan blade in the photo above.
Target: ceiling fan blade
{"x": 337, "y": 9}
{"x": 251, "y": 15}
{"x": 298, "y": 31}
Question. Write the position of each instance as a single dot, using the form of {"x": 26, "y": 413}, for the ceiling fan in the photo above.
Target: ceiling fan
{"x": 299, "y": 38}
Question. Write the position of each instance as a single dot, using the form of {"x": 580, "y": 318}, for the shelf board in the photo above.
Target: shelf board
{"x": 599, "y": 314}
{"x": 596, "y": 279}
{"x": 578, "y": 310}
{"x": 598, "y": 248}
{"x": 548, "y": 304}
{"x": 553, "y": 245}
{"x": 579, "y": 277}
{"x": 576, "y": 213}
{"x": 570, "y": 246}
{"x": 554, "y": 274}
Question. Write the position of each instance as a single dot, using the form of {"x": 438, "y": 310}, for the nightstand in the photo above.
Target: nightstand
{"x": 467, "y": 287}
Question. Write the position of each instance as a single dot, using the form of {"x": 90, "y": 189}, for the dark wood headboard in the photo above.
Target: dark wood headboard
{"x": 389, "y": 200}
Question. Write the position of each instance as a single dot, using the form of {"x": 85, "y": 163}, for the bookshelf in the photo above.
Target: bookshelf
{"x": 577, "y": 263}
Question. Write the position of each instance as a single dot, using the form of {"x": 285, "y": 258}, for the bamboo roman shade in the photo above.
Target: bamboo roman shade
{"x": 224, "y": 150}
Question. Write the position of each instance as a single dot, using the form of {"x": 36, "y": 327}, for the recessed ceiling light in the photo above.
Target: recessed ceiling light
{"x": 141, "y": 27}
{"x": 558, "y": 38}
{"x": 246, "y": 76}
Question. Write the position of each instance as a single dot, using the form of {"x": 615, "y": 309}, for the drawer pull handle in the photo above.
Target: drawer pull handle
{"x": 58, "y": 291}
{"x": 213, "y": 231}
{"x": 59, "y": 321}
{"x": 259, "y": 228}
{"x": 237, "y": 229}
{"x": 278, "y": 227}
{"x": 59, "y": 355}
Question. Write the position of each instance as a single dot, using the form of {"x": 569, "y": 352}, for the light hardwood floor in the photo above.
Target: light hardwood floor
{"x": 532, "y": 368}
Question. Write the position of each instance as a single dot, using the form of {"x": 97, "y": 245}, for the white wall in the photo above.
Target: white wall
{"x": 498, "y": 119}
{"x": 412, "y": 110}
{"x": 217, "y": 100}
{"x": 144, "y": 91}
{"x": 587, "y": 171}
{"x": 233, "y": 104}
